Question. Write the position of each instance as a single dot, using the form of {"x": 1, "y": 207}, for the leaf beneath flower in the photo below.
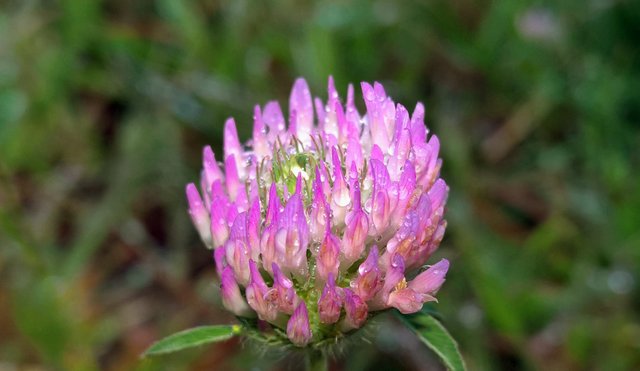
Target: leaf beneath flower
{"x": 436, "y": 337}
{"x": 193, "y": 337}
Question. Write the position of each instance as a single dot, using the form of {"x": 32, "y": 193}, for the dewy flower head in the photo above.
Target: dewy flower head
{"x": 318, "y": 223}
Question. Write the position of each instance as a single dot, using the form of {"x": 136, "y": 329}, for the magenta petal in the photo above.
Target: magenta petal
{"x": 273, "y": 208}
{"x": 199, "y": 215}
{"x": 286, "y": 293}
{"x": 402, "y": 147}
{"x": 324, "y": 176}
{"x": 274, "y": 119}
{"x": 298, "y": 329}
{"x": 369, "y": 281}
{"x": 261, "y": 145}
{"x": 237, "y": 256}
{"x": 219, "y": 227}
{"x": 418, "y": 130}
{"x": 256, "y": 293}
{"x": 219, "y": 258}
{"x": 357, "y": 229}
{"x": 429, "y": 281}
{"x": 327, "y": 261}
{"x": 212, "y": 171}
{"x": 330, "y": 302}
{"x": 268, "y": 246}
{"x": 380, "y": 206}
{"x": 319, "y": 212}
{"x": 253, "y": 229}
{"x": 232, "y": 179}
{"x": 438, "y": 194}
{"x": 376, "y": 154}
{"x": 231, "y": 297}
{"x": 354, "y": 150}
{"x": 300, "y": 102}
{"x": 355, "y": 308}
{"x": 405, "y": 300}
{"x": 343, "y": 125}
{"x": 232, "y": 144}
{"x": 340, "y": 193}
{"x": 320, "y": 112}
{"x": 380, "y": 203}
{"x": 395, "y": 274}
{"x": 293, "y": 237}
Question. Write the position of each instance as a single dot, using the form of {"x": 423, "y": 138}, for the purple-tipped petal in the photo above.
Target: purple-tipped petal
{"x": 402, "y": 148}
{"x": 355, "y": 308}
{"x": 380, "y": 202}
{"x": 340, "y": 190}
{"x": 327, "y": 261}
{"x": 219, "y": 215}
{"x": 219, "y": 258}
{"x": 418, "y": 130}
{"x": 354, "y": 149}
{"x": 232, "y": 144}
{"x": 405, "y": 300}
{"x": 298, "y": 329}
{"x": 237, "y": 256}
{"x": 319, "y": 210}
{"x": 253, "y": 229}
{"x": 342, "y": 123}
{"x": 300, "y": 103}
{"x": 320, "y": 112}
{"x": 232, "y": 180}
{"x": 429, "y": 281}
{"x": 393, "y": 276}
{"x": 438, "y": 194}
{"x": 273, "y": 209}
{"x": 260, "y": 141}
{"x": 274, "y": 119}
{"x": 287, "y": 298}
{"x": 210, "y": 166}
{"x": 231, "y": 297}
{"x": 256, "y": 293}
{"x": 356, "y": 231}
{"x": 340, "y": 198}
{"x": 268, "y": 246}
{"x": 199, "y": 214}
{"x": 369, "y": 281}
{"x": 293, "y": 237}
{"x": 324, "y": 180}
{"x": 330, "y": 302}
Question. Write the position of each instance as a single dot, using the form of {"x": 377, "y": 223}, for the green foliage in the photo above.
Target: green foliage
{"x": 436, "y": 337}
{"x": 193, "y": 337}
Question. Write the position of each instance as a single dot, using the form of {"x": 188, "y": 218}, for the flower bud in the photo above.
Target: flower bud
{"x": 356, "y": 310}
{"x": 330, "y": 302}
{"x": 298, "y": 330}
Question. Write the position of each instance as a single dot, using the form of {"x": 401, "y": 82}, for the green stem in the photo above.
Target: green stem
{"x": 316, "y": 361}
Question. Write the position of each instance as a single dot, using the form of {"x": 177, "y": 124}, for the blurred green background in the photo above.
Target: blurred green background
{"x": 105, "y": 106}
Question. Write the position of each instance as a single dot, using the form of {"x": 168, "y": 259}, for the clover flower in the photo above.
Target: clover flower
{"x": 318, "y": 223}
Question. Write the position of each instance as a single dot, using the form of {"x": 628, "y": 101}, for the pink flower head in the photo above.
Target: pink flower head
{"x": 319, "y": 221}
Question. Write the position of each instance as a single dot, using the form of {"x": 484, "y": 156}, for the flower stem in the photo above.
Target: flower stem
{"x": 316, "y": 361}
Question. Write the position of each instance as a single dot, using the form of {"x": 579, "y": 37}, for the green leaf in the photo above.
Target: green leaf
{"x": 193, "y": 337}
{"x": 436, "y": 337}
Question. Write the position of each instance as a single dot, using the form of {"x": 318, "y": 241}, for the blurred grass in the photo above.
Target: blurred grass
{"x": 105, "y": 106}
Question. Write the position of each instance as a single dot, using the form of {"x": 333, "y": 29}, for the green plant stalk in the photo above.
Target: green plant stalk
{"x": 316, "y": 361}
